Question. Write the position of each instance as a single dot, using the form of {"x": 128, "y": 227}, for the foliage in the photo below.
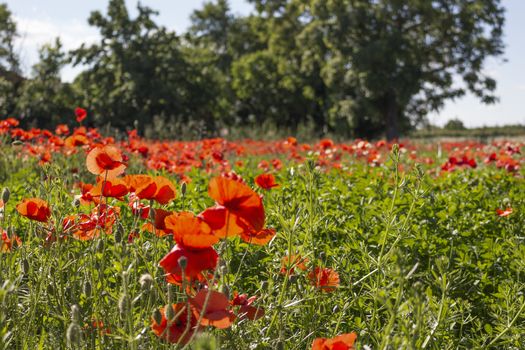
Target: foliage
{"x": 424, "y": 259}
{"x": 356, "y": 68}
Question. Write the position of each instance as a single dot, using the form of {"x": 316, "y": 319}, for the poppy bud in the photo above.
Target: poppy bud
{"x": 395, "y": 148}
{"x": 335, "y": 309}
{"x": 17, "y": 143}
{"x": 119, "y": 234}
{"x": 73, "y": 334}
{"x": 25, "y": 266}
{"x": 124, "y": 305}
{"x": 87, "y": 289}
{"x": 157, "y": 316}
{"x": 76, "y": 202}
{"x": 100, "y": 246}
{"x": 146, "y": 281}
{"x": 152, "y": 214}
{"x": 5, "y": 194}
{"x": 183, "y": 189}
{"x": 170, "y": 313}
{"x": 183, "y": 262}
{"x": 75, "y": 313}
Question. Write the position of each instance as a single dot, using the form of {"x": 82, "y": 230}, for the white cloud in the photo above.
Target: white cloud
{"x": 36, "y": 32}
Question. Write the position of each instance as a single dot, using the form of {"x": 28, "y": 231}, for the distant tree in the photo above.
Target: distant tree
{"x": 139, "y": 71}
{"x": 454, "y": 124}
{"x": 395, "y": 61}
{"x": 10, "y": 77}
{"x": 44, "y": 98}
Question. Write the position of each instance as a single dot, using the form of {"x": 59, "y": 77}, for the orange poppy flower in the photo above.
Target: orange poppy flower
{"x": 7, "y": 243}
{"x": 159, "y": 226}
{"x": 324, "y": 278}
{"x": 197, "y": 260}
{"x": 258, "y": 237}
{"x": 156, "y": 188}
{"x": 216, "y": 313}
{"x": 174, "y": 331}
{"x": 290, "y": 262}
{"x": 246, "y": 309}
{"x": 34, "y": 209}
{"x": 340, "y": 342}
{"x": 266, "y": 181}
{"x": 76, "y": 140}
{"x": 113, "y": 187}
{"x": 190, "y": 231}
{"x": 105, "y": 160}
{"x": 244, "y": 208}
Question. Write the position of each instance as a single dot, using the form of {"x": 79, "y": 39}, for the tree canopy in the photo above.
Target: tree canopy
{"x": 353, "y": 67}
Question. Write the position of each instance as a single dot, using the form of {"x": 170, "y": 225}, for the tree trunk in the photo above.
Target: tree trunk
{"x": 391, "y": 117}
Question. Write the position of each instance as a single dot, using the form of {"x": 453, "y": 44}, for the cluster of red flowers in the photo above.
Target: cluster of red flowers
{"x": 212, "y": 155}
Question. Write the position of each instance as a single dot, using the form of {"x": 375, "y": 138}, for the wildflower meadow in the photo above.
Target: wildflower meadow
{"x": 122, "y": 242}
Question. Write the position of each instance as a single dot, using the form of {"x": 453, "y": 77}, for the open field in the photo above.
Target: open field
{"x": 408, "y": 246}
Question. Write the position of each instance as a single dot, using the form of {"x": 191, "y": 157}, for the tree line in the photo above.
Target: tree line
{"x": 357, "y": 68}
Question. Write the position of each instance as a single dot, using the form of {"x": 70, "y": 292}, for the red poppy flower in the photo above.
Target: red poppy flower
{"x": 505, "y": 212}
{"x": 340, "y": 342}
{"x": 159, "y": 226}
{"x": 246, "y": 309}
{"x": 216, "y": 312}
{"x": 244, "y": 208}
{"x": 197, "y": 261}
{"x": 34, "y": 209}
{"x": 178, "y": 330}
{"x": 156, "y": 188}
{"x": 266, "y": 181}
{"x": 76, "y": 140}
{"x": 7, "y": 242}
{"x": 105, "y": 160}
{"x": 81, "y": 114}
{"x": 190, "y": 231}
{"x": 113, "y": 187}
{"x": 324, "y": 278}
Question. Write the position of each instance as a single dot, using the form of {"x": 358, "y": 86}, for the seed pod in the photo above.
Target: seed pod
{"x": 183, "y": 189}
{"x": 73, "y": 334}
{"x": 6, "y": 194}
{"x": 152, "y": 214}
{"x": 119, "y": 233}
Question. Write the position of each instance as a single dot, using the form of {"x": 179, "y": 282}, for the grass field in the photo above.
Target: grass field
{"x": 404, "y": 246}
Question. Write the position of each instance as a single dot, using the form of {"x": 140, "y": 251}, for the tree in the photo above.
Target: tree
{"x": 139, "y": 71}
{"x": 44, "y": 98}
{"x": 396, "y": 60}
{"x": 10, "y": 78}
{"x": 454, "y": 124}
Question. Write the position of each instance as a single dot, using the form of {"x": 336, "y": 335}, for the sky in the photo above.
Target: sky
{"x": 40, "y": 22}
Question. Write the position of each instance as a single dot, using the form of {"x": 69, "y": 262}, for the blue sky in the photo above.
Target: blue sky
{"x": 41, "y": 21}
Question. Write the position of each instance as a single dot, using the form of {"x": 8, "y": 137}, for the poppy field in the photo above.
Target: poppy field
{"x": 120, "y": 242}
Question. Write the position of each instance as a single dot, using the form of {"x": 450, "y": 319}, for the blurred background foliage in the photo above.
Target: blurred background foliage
{"x": 350, "y": 68}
